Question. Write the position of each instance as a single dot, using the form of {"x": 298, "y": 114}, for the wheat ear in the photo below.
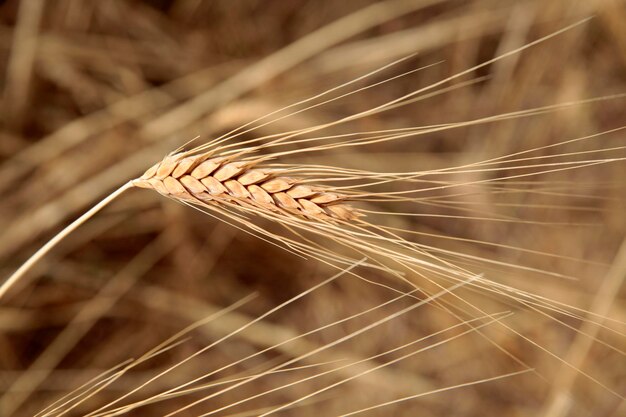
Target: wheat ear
{"x": 205, "y": 179}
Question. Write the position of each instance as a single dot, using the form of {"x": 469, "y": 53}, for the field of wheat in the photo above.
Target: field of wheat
{"x": 313, "y": 208}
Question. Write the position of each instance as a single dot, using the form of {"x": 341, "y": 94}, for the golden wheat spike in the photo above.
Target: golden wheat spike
{"x": 207, "y": 179}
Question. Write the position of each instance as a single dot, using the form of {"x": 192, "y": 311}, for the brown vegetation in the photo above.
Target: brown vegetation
{"x": 415, "y": 207}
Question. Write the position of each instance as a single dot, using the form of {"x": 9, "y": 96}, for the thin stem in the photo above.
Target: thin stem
{"x": 6, "y": 285}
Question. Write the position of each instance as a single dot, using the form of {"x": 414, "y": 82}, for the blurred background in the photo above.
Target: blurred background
{"x": 94, "y": 92}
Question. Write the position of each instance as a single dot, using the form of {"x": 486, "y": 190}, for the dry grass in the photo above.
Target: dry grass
{"x": 414, "y": 207}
